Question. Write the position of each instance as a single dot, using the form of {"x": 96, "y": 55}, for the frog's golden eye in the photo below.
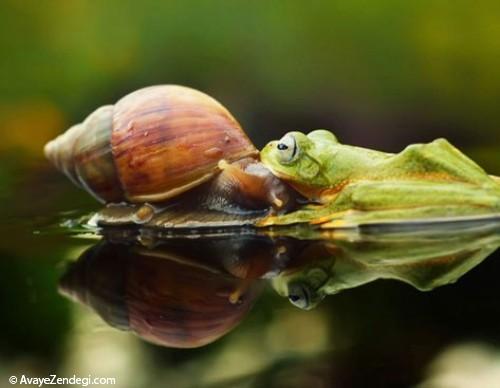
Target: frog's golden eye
{"x": 288, "y": 149}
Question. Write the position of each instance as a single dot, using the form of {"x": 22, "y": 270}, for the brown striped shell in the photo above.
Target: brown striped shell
{"x": 153, "y": 144}
{"x": 168, "y": 295}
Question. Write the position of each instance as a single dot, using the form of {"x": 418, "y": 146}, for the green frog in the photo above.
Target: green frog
{"x": 347, "y": 185}
{"x": 426, "y": 259}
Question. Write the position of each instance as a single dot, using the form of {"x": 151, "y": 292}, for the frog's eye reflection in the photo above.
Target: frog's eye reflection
{"x": 288, "y": 149}
{"x": 299, "y": 295}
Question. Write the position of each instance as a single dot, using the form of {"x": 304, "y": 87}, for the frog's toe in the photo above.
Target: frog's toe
{"x": 337, "y": 224}
{"x": 331, "y": 217}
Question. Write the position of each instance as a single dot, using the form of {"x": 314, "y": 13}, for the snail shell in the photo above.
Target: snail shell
{"x": 152, "y": 145}
{"x": 164, "y": 295}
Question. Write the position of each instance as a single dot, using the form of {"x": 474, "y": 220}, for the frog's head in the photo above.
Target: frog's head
{"x": 298, "y": 158}
{"x": 305, "y": 288}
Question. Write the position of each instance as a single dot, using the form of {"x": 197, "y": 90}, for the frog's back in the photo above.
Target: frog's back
{"x": 345, "y": 163}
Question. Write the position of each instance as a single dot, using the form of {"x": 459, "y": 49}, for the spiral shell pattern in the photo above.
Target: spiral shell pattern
{"x": 152, "y": 145}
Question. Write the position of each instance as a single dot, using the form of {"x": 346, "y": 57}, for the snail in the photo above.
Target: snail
{"x": 159, "y": 142}
{"x": 164, "y": 295}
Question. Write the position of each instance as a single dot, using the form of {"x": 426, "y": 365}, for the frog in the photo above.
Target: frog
{"x": 425, "y": 259}
{"x": 346, "y": 185}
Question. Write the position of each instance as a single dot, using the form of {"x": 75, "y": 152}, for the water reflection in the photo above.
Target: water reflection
{"x": 190, "y": 289}
{"x": 425, "y": 259}
{"x": 164, "y": 295}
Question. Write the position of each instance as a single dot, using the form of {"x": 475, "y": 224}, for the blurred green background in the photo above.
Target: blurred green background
{"x": 380, "y": 74}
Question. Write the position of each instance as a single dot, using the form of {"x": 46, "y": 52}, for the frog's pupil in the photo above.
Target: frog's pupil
{"x": 294, "y": 298}
{"x": 282, "y": 146}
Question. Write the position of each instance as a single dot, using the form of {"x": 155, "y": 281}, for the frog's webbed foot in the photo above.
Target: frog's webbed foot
{"x": 335, "y": 220}
{"x": 303, "y": 215}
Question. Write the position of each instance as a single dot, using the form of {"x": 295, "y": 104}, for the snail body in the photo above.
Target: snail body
{"x": 157, "y": 143}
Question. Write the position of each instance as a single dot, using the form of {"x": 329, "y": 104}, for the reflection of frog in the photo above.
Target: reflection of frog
{"x": 426, "y": 260}
{"x": 424, "y": 180}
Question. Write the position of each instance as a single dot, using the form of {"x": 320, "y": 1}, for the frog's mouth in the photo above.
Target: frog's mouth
{"x": 307, "y": 191}
{"x": 288, "y": 178}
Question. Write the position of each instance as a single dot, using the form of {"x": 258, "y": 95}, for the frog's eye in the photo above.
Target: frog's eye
{"x": 300, "y": 296}
{"x": 288, "y": 150}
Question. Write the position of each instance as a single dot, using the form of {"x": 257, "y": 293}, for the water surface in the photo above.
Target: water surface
{"x": 398, "y": 306}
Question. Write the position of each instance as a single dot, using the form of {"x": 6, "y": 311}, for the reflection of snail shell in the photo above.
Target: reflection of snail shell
{"x": 153, "y": 144}
{"x": 167, "y": 302}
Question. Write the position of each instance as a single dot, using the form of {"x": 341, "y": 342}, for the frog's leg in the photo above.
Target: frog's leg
{"x": 404, "y": 200}
{"x": 334, "y": 217}
{"x": 438, "y": 161}
{"x": 356, "y": 218}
